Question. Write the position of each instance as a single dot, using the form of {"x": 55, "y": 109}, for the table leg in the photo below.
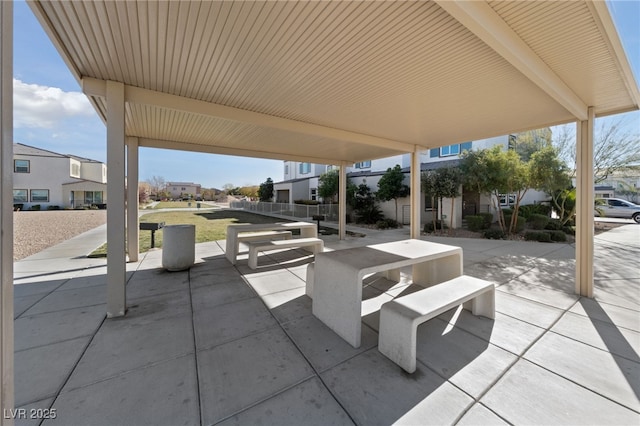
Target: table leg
{"x": 337, "y": 299}
{"x": 437, "y": 271}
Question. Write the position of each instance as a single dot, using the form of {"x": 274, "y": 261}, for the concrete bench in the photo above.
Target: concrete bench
{"x": 264, "y": 236}
{"x": 316, "y": 245}
{"x": 400, "y": 318}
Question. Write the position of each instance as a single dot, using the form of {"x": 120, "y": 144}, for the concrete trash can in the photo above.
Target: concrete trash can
{"x": 178, "y": 247}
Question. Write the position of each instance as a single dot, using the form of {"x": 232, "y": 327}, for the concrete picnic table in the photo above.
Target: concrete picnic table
{"x": 307, "y": 230}
{"x": 338, "y": 275}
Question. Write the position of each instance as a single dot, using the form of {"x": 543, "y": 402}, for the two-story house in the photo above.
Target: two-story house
{"x": 184, "y": 190}
{"x": 298, "y": 185}
{"x": 49, "y": 179}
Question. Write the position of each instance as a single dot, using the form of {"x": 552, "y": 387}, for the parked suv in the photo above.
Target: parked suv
{"x": 615, "y": 207}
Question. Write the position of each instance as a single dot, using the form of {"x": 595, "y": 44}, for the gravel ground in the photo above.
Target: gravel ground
{"x": 34, "y": 231}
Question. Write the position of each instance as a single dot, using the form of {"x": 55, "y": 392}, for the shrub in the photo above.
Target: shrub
{"x": 428, "y": 227}
{"x": 369, "y": 214}
{"x": 558, "y": 236}
{"x": 488, "y": 219}
{"x": 520, "y": 222}
{"x": 306, "y": 202}
{"x": 538, "y": 221}
{"x": 476, "y": 223}
{"x": 391, "y": 223}
{"x": 507, "y": 211}
{"x": 53, "y": 208}
{"x": 554, "y": 225}
{"x": 539, "y": 236}
{"x": 36, "y": 207}
{"x": 494, "y": 234}
{"x": 531, "y": 209}
{"x": 569, "y": 230}
{"x": 382, "y": 224}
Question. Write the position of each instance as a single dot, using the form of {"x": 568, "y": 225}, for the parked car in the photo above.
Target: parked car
{"x": 616, "y": 207}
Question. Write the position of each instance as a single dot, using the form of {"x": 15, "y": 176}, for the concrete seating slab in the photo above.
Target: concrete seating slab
{"x": 399, "y": 318}
{"x": 232, "y": 244}
{"x": 338, "y": 277}
{"x": 316, "y": 245}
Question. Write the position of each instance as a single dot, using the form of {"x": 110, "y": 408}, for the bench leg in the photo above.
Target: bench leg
{"x": 392, "y": 275}
{"x": 397, "y": 339}
{"x": 253, "y": 258}
{"x": 309, "y": 287}
{"x": 485, "y": 304}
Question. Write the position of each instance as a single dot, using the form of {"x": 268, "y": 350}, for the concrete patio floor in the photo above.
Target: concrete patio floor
{"x": 220, "y": 344}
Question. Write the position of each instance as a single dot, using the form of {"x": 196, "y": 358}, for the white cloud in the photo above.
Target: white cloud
{"x": 44, "y": 107}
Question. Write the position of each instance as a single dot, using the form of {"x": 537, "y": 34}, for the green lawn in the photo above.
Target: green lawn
{"x": 210, "y": 225}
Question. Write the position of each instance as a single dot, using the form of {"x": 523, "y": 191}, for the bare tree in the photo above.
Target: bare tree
{"x": 157, "y": 184}
{"x": 616, "y": 146}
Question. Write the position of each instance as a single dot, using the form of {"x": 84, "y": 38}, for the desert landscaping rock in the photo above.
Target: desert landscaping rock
{"x": 34, "y": 231}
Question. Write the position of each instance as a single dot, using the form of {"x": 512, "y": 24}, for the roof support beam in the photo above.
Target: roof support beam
{"x": 479, "y": 18}
{"x": 213, "y": 149}
{"x": 136, "y": 95}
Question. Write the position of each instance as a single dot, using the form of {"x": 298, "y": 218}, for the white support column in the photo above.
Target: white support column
{"x": 116, "y": 256}
{"x": 584, "y": 206}
{"x": 342, "y": 201}
{"x": 416, "y": 204}
{"x": 132, "y": 199}
{"x": 7, "y": 396}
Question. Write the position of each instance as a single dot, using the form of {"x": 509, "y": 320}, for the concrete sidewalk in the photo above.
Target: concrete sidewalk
{"x": 220, "y": 344}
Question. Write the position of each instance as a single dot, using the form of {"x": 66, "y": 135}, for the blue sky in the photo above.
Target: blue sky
{"x": 50, "y": 112}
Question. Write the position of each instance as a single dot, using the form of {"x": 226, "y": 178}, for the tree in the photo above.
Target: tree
{"x": 391, "y": 186}
{"x": 615, "y": 147}
{"x": 531, "y": 141}
{"x": 328, "y": 185}
{"x": 157, "y": 184}
{"x": 550, "y": 174}
{"x": 250, "y": 192}
{"x": 497, "y": 172}
{"x": 367, "y": 211}
{"x": 428, "y": 186}
{"x": 265, "y": 192}
{"x": 448, "y": 181}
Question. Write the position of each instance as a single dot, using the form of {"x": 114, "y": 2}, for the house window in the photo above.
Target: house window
{"x": 430, "y": 203}
{"x": 21, "y": 166}
{"x": 507, "y": 200}
{"x": 314, "y": 194}
{"x": 305, "y": 168}
{"x": 75, "y": 170}
{"x": 40, "y": 195}
{"x": 20, "y": 196}
{"x": 92, "y": 197}
{"x": 286, "y": 169}
{"x": 512, "y": 141}
{"x": 363, "y": 165}
{"x": 446, "y": 151}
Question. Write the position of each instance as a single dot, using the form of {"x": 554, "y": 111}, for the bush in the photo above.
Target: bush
{"x": 554, "y": 225}
{"x": 36, "y": 207}
{"x": 369, "y": 214}
{"x": 540, "y": 236}
{"x": 569, "y": 230}
{"x": 53, "y": 208}
{"x": 538, "y": 221}
{"x": 531, "y": 209}
{"x": 558, "y": 236}
{"x": 476, "y": 223}
{"x": 494, "y": 234}
{"x": 520, "y": 222}
{"x": 391, "y": 223}
{"x": 306, "y": 202}
{"x": 488, "y": 219}
{"x": 382, "y": 224}
{"x": 428, "y": 227}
